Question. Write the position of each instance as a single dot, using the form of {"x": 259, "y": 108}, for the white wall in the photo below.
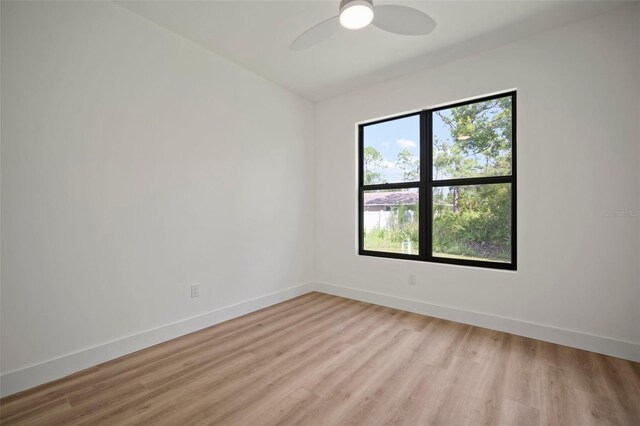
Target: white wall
{"x": 578, "y": 156}
{"x": 135, "y": 163}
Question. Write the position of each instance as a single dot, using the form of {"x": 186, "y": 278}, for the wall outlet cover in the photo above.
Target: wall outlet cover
{"x": 195, "y": 290}
{"x": 412, "y": 279}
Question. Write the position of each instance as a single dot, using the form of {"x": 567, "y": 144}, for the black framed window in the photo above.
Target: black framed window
{"x": 439, "y": 185}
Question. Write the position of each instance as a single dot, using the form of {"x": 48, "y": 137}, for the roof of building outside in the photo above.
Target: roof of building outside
{"x": 390, "y": 198}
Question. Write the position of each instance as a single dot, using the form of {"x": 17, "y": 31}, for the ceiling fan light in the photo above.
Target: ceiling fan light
{"x": 356, "y": 14}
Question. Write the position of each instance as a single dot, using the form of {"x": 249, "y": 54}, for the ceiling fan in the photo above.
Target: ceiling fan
{"x": 357, "y": 14}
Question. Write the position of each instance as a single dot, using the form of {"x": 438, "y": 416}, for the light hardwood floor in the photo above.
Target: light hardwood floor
{"x": 321, "y": 359}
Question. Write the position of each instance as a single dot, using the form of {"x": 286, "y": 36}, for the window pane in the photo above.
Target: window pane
{"x": 473, "y": 140}
{"x": 392, "y": 151}
{"x": 472, "y": 222}
{"x": 391, "y": 221}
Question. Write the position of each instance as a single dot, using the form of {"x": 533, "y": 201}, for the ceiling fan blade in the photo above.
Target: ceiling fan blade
{"x": 316, "y": 34}
{"x": 402, "y": 20}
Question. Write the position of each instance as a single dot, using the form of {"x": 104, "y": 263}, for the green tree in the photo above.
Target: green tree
{"x": 481, "y": 135}
{"x": 373, "y": 162}
{"x": 409, "y": 165}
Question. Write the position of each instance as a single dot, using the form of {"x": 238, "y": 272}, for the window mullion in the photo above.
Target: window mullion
{"x": 426, "y": 147}
{"x": 384, "y": 186}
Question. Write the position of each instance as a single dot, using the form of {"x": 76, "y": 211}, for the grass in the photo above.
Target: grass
{"x": 378, "y": 244}
{"x": 387, "y": 246}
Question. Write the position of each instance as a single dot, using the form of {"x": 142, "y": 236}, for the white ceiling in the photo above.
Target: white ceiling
{"x": 257, "y": 34}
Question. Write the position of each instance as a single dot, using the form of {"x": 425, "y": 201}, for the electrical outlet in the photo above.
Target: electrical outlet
{"x": 412, "y": 279}
{"x": 195, "y": 290}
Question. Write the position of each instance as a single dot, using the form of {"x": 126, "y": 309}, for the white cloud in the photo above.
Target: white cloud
{"x": 390, "y": 165}
{"x": 406, "y": 143}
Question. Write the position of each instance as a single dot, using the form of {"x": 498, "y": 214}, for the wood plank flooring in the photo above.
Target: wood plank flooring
{"x": 321, "y": 359}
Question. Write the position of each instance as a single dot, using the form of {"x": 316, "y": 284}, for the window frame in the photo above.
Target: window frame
{"x": 426, "y": 184}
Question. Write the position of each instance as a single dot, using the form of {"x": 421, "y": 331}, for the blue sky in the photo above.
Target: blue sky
{"x": 389, "y": 138}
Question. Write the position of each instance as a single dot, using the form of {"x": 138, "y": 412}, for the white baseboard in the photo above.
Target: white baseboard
{"x": 547, "y": 333}
{"x": 28, "y": 377}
